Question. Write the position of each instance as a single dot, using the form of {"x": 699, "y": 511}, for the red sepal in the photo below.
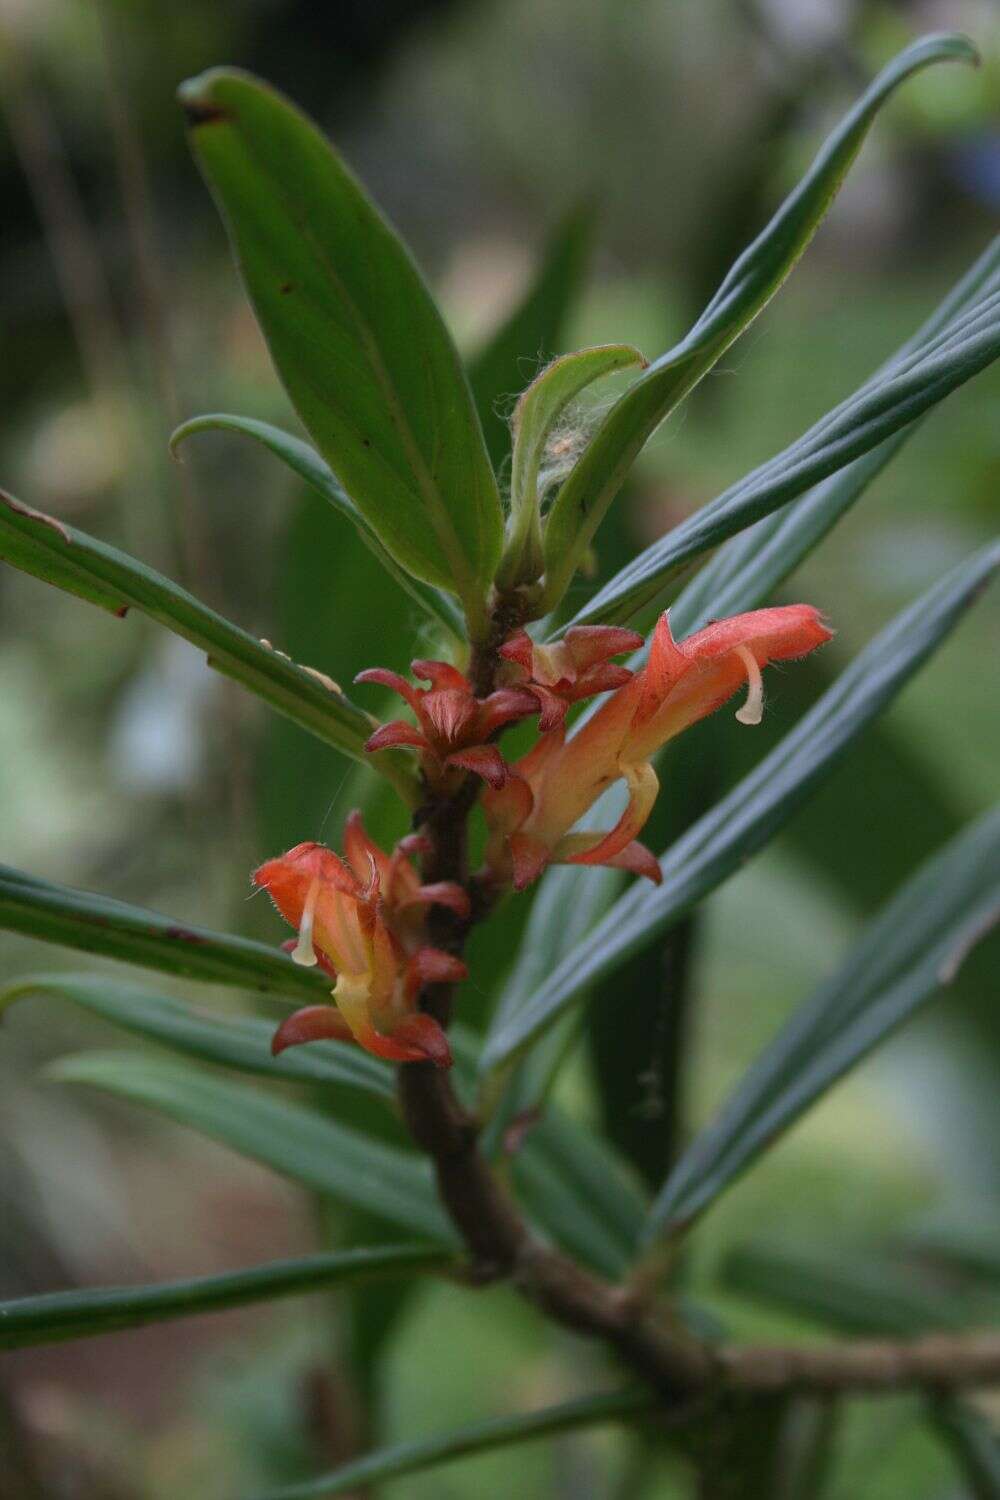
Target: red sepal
{"x": 528, "y": 859}
{"x": 421, "y": 1035}
{"x": 638, "y": 860}
{"x": 484, "y": 760}
{"x": 396, "y": 732}
{"x": 440, "y": 675}
{"x": 432, "y": 966}
{"x": 313, "y": 1023}
{"x": 441, "y": 893}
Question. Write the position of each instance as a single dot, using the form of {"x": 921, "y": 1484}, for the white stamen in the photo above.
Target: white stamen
{"x": 753, "y": 709}
{"x": 303, "y": 953}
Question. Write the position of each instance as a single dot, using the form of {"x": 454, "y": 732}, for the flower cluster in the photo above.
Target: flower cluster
{"x": 361, "y": 918}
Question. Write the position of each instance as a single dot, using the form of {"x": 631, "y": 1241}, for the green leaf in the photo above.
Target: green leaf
{"x": 975, "y": 1445}
{"x": 880, "y": 408}
{"x": 747, "y": 570}
{"x": 295, "y": 691}
{"x": 580, "y": 1191}
{"x": 533, "y": 331}
{"x": 908, "y": 952}
{"x": 483, "y": 1437}
{"x": 753, "y": 812}
{"x": 54, "y": 1317}
{"x": 20, "y": 549}
{"x": 242, "y": 1042}
{"x": 356, "y": 337}
{"x": 568, "y": 901}
{"x": 307, "y": 464}
{"x": 854, "y": 1292}
{"x": 583, "y": 500}
{"x": 536, "y": 415}
{"x": 98, "y": 924}
{"x": 295, "y": 1141}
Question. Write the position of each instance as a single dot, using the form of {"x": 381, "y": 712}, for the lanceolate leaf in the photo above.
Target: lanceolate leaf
{"x": 297, "y": 1142}
{"x": 54, "y": 1317}
{"x": 533, "y": 331}
{"x": 499, "y": 1432}
{"x": 744, "y": 572}
{"x": 849, "y": 1292}
{"x": 579, "y": 1190}
{"x": 242, "y": 1042}
{"x": 916, "y": 945}
{"x": 356, "y": 337}
{"x": 882, "y": 407}
{"x": 44, "y": 546}
{"x": 98, "y": 924}
{"x": 581, "y": 504}
{"x": 745, "y": 820}
{"x": 306, "y": 462}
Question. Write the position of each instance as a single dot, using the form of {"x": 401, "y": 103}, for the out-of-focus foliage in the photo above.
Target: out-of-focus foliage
{"x": 130, "y": 769}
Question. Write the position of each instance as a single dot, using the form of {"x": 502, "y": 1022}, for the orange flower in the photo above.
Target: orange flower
{"x": 455, "y": 725}
{"x": 576, "y": 667}
{"x": 359, "y": 919}
{"x": 552, "y": 787}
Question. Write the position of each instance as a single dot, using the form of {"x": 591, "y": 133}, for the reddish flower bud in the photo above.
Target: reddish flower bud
{"x": 453, "y": 726}
{"x": 576, "y": 667}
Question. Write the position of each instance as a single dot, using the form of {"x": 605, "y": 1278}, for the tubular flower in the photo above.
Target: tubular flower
{"x": 552, "y": 786}
{"x": 454, "y": 725}
{"x": 576, "y": 667}
{"x": 359, "y": 919}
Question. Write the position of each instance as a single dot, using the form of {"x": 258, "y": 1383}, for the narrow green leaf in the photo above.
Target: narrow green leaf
{"x": 307, "y": 464}
{"x": 854, "y": 1293}
{"x": 913, "y": 947}
{"x": 568, "y": 901}
{"x": 98, "y": 924}
{"x": 498, "y": 1432}
{"x": 295, "y": 691}
{"x": 297, "y": 1142}
{"x": 974, "y": 1442}
{"x": 880, "y": 408}
{"x": 54, "y": 1317}
{"x": 753, "y": 812}
{"x": 968, "y": 1244}
{"x": 538, "y": 411}
{"x": 22, "y": 551}
{"x": 583, "y": 500}
{"x": 242, "y": 1042}
{"x": 533, "y": 331}
{"x": 746, "y": 571}
{"x": 356, "y": 337}
{"x": 581, "y": 1192}
{"x": 573, "y": 1186}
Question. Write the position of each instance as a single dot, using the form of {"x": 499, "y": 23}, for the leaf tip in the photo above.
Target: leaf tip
{"x": 198, "y": 102}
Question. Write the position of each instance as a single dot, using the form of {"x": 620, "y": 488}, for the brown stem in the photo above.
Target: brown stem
{"x": 937, "y": 1361}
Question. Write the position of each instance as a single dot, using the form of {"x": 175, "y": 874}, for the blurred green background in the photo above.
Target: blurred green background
{"x": 129, "y": 768}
